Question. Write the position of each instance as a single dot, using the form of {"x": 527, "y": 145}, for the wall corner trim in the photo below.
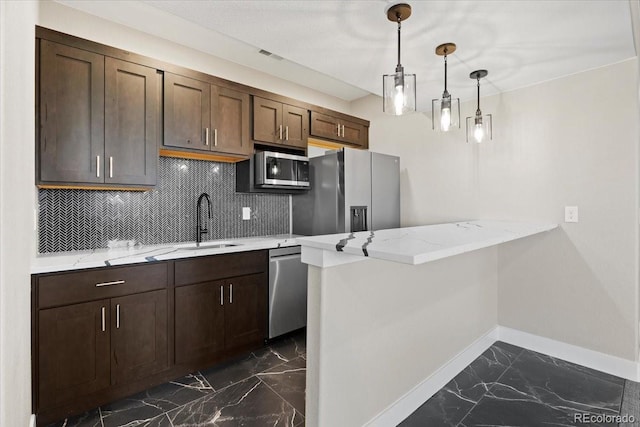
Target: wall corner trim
{"x": 613, "y": 365}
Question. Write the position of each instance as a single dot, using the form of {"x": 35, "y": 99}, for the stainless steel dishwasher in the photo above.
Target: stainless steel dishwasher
{"x": 287, "y": 291}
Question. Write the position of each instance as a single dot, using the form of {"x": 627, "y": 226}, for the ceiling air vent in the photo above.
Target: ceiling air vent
{"x": 272, "y": 55}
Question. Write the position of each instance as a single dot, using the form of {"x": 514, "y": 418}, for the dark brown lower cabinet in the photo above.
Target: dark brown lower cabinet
{"x": 245, "y": 314}
{"x": 87, "y": 347}
{"x": 199, "y": 322}
{"x": 219, "y": 316}
{"x": 74, "y": 351}
{"x": 138, "y": 336}
{"x": 105, "y": 333}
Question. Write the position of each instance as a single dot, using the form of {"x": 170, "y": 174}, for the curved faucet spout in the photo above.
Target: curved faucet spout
{"x": 200, "y": 230}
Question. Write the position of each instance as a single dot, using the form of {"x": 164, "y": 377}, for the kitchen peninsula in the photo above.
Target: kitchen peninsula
{"x": 393, "y": 312}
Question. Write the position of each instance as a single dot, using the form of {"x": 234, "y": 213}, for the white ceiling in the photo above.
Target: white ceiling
{"x": 344, "y": 47}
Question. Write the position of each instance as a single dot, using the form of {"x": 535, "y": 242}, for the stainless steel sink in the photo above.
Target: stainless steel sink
{"x": 206, "y": 245}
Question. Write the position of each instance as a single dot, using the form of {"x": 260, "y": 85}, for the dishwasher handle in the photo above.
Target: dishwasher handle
{"x": 284, "y": 257}
{"x": 279, "y": 252}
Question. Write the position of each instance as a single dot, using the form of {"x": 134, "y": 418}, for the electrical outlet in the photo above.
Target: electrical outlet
{"x": 246, "y": 214}
{"x": 570, "y": 214}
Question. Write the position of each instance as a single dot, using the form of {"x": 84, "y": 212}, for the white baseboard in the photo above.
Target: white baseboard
{"x": 403, "y": 407}
{"x": 32, "y": 420}
{"x": 591, "y": 359}
{"x": 412, "y": 400}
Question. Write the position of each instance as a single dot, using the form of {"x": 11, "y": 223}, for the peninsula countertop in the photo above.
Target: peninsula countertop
{"x": 75, "y": 260}
{"x": 420, "y": 244}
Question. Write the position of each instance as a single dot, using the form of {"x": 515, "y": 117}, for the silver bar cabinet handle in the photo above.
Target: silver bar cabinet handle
{"x": 343, "y": 131}
{"x": 104, "y": 326}
{"x": 206, "y": 136}
{"x": 115, "y": 282}
{"x": 110, "y": 167}
{"x": 286, "y": 132}
{"x": 231, "y": 293}
{"x": 221, "y": 295}
{"x": 215, "y": 137}
{"x": 97, "y": 166}
{"x": 338, "y": 129}
{"x": 280, "y": 131}
{"x": 117, "y": 316}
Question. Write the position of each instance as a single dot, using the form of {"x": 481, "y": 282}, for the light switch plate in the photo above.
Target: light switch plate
{"x": 570, "y": 214}
{"x": 246, "y": 213}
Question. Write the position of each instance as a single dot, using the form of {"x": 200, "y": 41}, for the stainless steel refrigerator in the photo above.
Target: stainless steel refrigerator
{"x": 351, "y": 190}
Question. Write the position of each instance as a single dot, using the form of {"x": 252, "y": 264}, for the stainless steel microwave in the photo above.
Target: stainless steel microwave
{"x": 280, "y": 170}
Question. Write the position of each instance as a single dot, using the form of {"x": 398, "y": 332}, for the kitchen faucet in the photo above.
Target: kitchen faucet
{"x": 200, "y": 230}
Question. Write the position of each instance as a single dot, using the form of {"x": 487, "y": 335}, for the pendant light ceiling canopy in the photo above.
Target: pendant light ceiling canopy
{"x": 445, "y": 112}
{"x": 482, "y": 126}
{"x": 399, "y": 89}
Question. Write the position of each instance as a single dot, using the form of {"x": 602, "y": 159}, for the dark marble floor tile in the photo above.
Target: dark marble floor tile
{"x": 287, "y": 348}
{"x": 537, "y": 390}
{"x": 578, "y": 368}
{"x": 444, "y": 409}
{"x": 449, "y": 405}
{"x": 242, "y": 368}
{"x": 247, "y": 403}
{"x": 630, "y": 406}
{"x": 494, "y": 411}
{"x": 160, "y": 421}
{"x": 288, "y": 381}
{"x": 88, "y": 419}
{"x": 509, "y": 347}
{"x": 143, "y": 407}
{"x": 477, "y": 378}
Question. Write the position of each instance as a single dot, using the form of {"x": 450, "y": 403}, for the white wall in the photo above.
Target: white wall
{"x": 377, "y": 329}
{"x": 570, "y": 141}
{"x": 17, "y": 191}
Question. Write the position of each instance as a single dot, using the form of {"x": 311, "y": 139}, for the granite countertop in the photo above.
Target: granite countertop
{"x": 417, "y": 245}
{"x": 75, "y": 260}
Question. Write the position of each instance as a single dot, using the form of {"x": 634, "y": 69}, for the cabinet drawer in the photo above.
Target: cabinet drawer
{"x": 204, "y": 269}
{"x": 107, "y": 282}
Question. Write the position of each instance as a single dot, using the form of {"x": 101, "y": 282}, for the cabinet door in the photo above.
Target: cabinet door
{"x": 245, "y": 314}
{"x": 230, "y": 121}
{"x": 267, "y": 120}
{"x": 73, "y": 351}
{"x": 138, "y": 336}
{"x": 186, "y": 112}
{"x": 71, "y": 114}
{"x": 354, "y": 133}
{"x": 296, "y": 125}
{"x": 324, "y": 126}
{"x": 199, "y": 321}
{"x": 131, "y": 123}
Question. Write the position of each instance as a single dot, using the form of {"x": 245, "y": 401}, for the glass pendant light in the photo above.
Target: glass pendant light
{"x": 445, "y": 111}
{"x": 399, "y": 89}
{"x": 479, "y": 127}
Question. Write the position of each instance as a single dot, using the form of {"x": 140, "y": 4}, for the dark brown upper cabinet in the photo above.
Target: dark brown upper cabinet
{"x": 71, "y": 114}
{"x": 131, "y": 123}
{"x": 338, "y": 129}
{"x": 281, "y": 124}
{"x": 98, "y": 117}
{"x": 205, "y": 117}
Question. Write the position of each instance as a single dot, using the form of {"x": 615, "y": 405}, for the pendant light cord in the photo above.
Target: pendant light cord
{"x": 445, "y": 71}
{"x": 399, "y": 26}
{"x": 478, "y": 96}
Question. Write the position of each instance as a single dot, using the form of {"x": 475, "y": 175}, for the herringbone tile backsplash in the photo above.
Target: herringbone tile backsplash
{"x": 80, "y": 219}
